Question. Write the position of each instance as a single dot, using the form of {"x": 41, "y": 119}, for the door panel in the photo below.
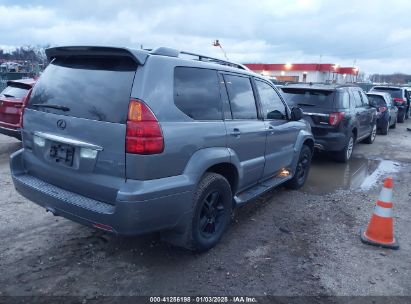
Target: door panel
{"x": 281, "y": 133}
{"x": 360, "y": 113}
{"x": 247, "y": 138}
{"x": 246, "y": 132}
{"x": 281, "y": 138}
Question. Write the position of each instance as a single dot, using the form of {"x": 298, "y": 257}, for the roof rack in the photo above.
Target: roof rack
{"x": 164, "y": 51}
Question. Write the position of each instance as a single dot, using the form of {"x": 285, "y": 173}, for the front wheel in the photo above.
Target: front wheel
{"x": 212, "y": 212}
{"x": 302, "y": 170}
{"x": 370, "y": 139}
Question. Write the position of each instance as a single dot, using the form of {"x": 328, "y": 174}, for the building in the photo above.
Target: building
{"x": 306, "y": 72}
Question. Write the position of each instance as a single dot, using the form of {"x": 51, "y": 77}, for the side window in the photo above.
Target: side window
{"x": 197, "y": 93}
{"x": 388, "y": 100}
{"x": 365, "y": 101}
{"x": 273, "y": 107}
{"x": 357, "y": 98}
{"x": 345, "y": 99}
{"x": 241, "y": 97}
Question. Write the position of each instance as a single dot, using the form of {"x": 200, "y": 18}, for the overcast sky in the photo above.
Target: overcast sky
{"x": 374, "y": 34}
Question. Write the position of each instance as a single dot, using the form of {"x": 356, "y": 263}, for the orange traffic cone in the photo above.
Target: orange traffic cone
{"x": 380, "y": 230}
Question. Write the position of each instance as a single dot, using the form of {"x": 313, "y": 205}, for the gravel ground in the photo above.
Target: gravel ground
{"x": 286, "y": 243}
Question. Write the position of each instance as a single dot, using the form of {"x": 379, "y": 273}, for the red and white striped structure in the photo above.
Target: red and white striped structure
{"x": 306, "y": 72}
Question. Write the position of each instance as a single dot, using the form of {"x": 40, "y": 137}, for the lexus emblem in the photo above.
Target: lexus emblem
{"x": 61, "y": 124}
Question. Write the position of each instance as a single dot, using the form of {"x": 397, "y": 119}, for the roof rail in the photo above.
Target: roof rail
{"x": 216, "y": 60}
{"x": 164, "y": 51}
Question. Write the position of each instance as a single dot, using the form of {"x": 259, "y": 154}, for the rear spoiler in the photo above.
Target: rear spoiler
{"x": 19, "y": 84}
{"x": 139, "y": 56}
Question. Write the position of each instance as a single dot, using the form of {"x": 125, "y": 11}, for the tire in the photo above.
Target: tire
{"x": 345, "y": 154}
{"x": 407, "y": 113}
{"x": 370, "y": 139}
{"x": 302, "y": 170}
{"x": 401, "y": 118}
{"x": 211, "y": 214}
{"x": 384, "y": 130}
{"x": 395, "y": 124}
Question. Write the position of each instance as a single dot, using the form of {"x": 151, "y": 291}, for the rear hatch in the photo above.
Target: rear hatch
{"x": 74, "y": 125}
{"x": 396, "y": 93}
{"x": 317, "y": 104}
{"x": 11, "y": 102}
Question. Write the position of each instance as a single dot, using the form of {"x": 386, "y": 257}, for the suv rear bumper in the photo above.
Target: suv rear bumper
{"x": 331, "y": 141}
{"x": 16, "y": 133}
{"x": 124, "y": 217}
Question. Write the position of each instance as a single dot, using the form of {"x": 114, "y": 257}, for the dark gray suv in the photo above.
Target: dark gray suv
{"x": 134, "y": 141}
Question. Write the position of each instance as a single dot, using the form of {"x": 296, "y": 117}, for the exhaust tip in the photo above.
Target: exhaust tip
{"x": 52, "y": 210}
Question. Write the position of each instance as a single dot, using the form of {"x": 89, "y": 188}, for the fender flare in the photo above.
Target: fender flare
{"x": 203, "y": 159}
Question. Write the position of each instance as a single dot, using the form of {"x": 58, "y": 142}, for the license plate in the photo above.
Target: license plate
{"x": 62, "y": 154}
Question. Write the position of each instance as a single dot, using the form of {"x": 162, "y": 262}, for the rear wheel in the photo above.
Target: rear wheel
{"x": 345, "y": 154}
{"x": 401, "y": 117}
{"x": 302, "y": 170}
{"x": 370, "y": 139}
{"x": 384, "y": 129}
{"x": 395, "y": 124}
{"x": 212, "y": 212}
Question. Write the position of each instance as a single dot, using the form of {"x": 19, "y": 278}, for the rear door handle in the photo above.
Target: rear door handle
{"x": 236, "y": 132}
{"x": 271, "y": 130}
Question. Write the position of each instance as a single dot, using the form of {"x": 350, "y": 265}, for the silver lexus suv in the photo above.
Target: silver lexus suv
{"x": 134, "y": 141}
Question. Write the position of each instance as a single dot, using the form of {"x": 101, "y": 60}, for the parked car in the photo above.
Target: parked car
{"x": 401, "y": 99}
{"x": 387, "y": 112}
{"x": 132, "y": 141}
{"x": 340, "y": 116}
{"x": 12, "y": 102}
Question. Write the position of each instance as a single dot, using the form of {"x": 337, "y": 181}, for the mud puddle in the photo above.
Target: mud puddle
{"x": 327, "y": 176}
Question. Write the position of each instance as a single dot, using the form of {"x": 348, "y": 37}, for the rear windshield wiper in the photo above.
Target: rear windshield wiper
{"x": 306, "y": 104}
{"x": 8, "y": 95}
{"x": 52, "y": 106}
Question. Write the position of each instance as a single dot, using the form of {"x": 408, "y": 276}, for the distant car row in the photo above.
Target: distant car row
{"x": 341, "y": 115}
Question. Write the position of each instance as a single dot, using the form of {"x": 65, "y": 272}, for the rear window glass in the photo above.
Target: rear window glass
{"x": 376, "y": 100}
{"x": 14, "y": 91}
{"x": 91, "y": 88}
{"x": 395, "y": 93}
{"x": 308, "y": 98}
{"x": 197, "y": 93}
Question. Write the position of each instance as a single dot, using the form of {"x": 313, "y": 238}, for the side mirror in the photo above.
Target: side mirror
{"x": 296, "y": 114}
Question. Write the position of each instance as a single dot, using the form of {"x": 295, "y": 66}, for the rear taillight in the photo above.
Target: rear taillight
{"x": 382, "y": 109}
{"x": 335, "y": 118}
{"x": 23, "y": 106}
{"x": 400, "y": 100}
{"x": 143, "y": 135}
